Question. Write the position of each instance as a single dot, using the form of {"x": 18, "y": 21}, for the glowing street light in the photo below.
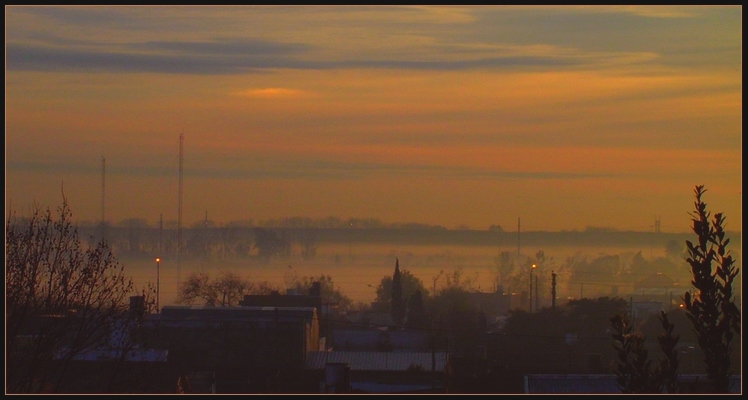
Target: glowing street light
{"x": 158, "y": 284}
{"x": 531, "y": 270}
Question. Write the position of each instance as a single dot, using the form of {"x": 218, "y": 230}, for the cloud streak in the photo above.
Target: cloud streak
{"x": 220, "y": 60}
{"x": 464, "y": 45}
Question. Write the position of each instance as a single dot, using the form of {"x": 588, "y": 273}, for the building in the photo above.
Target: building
{"x": 246, "y": 349}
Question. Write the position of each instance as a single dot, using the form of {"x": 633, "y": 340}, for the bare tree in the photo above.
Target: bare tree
{"x": 226, "y": 290}
{"x": 61, "y": 299}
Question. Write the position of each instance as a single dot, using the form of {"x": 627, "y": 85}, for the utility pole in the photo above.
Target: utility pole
{"x": 158, "y": 283}
{"x": 436, "y": 278}
{"x": 160, "y": 233}
{"x": 532, "y": 269}
{"x": 553, "y": 289}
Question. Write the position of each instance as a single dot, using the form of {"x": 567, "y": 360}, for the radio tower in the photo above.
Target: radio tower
{"x": 518, "y": 256}
{"x": 103, "y": 187}
{"x": 179, "y": 211}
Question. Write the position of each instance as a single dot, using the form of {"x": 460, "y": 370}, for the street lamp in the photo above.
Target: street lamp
{"x": 158, "y": 284}
{"x": 531, "y": 270}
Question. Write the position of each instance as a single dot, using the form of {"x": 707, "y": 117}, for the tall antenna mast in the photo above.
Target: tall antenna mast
{"x": 160, "y": 233}
{"x": 518, "y": 262}
{"x": 103, "y": 203}
{"x": 179, "y": 212}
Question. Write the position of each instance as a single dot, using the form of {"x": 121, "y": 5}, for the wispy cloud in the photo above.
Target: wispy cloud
{"x": 272, "y": 93}
{"x": 226, "y": 58}
{"x": 343, "y": 38}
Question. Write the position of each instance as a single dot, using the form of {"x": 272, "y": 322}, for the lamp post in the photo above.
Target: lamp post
{"x": 531, "y": 270}
{"x": 158, "y": 283}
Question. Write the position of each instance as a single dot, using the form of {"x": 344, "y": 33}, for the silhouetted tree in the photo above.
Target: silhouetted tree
{"x": 269, "y": 244}
{"x": 635, "y": 372}
{"x": 640, "y": 267}
{"x": 712, "y": 308}
{"x": 308, "y": 243}
{"x": 61, "y": 299}
{"x": 409, "y": 283}
{"x": 455, "y": 315}
{"x": 674, "y": 250}
{"x": 338, "y": 303}
{"x": 668, "y": 368}
{"x": 398, "y": 305}
{"x": 502, "y": 268}
{"x": 416, "y": 317}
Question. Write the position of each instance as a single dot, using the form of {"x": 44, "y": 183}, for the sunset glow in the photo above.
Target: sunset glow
{"x": 566, "y": 116}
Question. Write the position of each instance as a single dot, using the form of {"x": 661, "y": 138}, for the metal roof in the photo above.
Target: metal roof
{"x": 377, "y": 360}
{"x": 136, "y": 355}
{"x": 207, "y": 312}
{"x": 358, "y": 339}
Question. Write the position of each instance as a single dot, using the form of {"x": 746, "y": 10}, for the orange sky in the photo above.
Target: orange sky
{"x": 567, "y": 117}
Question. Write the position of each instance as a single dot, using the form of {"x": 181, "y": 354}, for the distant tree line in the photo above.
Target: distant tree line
{"x": 289, "y": 222}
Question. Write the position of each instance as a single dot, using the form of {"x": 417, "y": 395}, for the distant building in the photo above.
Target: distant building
{"x": 290, "y": 299}
{"x": 656, "y": 288}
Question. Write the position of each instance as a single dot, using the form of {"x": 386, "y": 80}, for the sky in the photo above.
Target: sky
{"x": 566, "y": 117}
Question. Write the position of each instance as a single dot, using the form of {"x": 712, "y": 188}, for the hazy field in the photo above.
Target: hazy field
{"x": 358, "y": 268}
